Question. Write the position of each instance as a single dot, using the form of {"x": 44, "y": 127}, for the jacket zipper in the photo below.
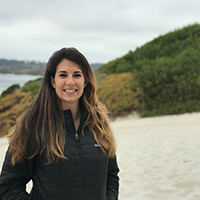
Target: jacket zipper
{"x": 77, "y": 139}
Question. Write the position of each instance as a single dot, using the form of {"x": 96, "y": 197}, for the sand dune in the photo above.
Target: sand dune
{"x": 159, "y": 157}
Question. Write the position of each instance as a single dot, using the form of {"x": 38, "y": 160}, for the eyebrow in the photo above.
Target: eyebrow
{"x": 62, "y": 72}
{"x": 76, "y": 72}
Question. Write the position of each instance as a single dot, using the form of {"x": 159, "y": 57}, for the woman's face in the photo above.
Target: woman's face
{"x": 69, "y": 83}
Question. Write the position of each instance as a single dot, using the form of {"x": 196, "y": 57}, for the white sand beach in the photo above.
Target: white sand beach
{"x": 159, "y": 157}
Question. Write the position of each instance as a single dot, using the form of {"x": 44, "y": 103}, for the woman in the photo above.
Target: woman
{"x": 63, "y": 142}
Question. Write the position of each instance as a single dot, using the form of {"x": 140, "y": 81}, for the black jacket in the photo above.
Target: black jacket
{"x": 87, "y": 174}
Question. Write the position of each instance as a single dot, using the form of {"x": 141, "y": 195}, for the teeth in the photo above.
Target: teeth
{"x": 70, "y": 91}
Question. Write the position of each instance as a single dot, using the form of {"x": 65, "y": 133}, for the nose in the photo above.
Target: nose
{"x": 70, "y": 81}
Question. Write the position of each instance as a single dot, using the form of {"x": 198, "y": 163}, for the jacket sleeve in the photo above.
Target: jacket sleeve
{"x": 112, "y": 180}
{"x": 13, "y": 179}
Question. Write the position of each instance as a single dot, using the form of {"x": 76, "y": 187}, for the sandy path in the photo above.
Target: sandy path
{"x": 159, "y": 157}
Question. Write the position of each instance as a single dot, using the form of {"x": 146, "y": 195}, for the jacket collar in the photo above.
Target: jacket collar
{"x": 69, "y": 122}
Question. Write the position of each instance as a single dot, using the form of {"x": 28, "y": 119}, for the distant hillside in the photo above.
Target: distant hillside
{"x": 167, "y": 70}
{"x": 21, "y": 67}
{"x": 28, "y": 67}
{"x": 20, "y": 63}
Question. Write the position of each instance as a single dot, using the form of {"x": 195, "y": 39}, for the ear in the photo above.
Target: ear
{"x": 53, "y": 82}
{"x": 85, "y": 84}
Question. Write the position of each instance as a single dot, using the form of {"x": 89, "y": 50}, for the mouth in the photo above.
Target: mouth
{"x": 70, "y": 91}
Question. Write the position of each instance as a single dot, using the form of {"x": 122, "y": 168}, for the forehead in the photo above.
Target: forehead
{"x": 68, "y": 66}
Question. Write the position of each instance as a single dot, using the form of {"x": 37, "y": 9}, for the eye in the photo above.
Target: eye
{"x": 77, "y": 75}
{"x": 62, "y": 75}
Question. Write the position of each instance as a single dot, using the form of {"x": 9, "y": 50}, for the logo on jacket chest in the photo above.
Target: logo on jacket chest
{"x": 96, "y": 145}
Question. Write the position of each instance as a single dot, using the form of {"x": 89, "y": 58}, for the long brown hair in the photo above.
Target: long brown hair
{"x": 45, "y": 115}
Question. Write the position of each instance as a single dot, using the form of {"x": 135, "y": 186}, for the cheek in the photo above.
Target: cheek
{"x": 59, "y": 83}
{"x": 59, "y": 86}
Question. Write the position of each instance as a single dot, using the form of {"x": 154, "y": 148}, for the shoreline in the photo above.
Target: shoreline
{"x": 28, "y": 72}
{"x": 9, "y": 79}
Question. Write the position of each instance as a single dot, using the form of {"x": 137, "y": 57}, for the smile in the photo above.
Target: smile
{"x": 70, "y": 91}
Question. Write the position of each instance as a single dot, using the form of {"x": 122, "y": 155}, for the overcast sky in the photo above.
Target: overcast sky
{"x": 101, "y": 29}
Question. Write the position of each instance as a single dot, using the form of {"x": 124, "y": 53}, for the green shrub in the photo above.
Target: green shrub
{"x": 121, "y": 94}
{"x": 171, "y": 86}
{"x": 10, "y": 90}
{"x": 32, "y": 86}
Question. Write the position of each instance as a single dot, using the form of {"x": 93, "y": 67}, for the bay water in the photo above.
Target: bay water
{"x": 6, "y": 80}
